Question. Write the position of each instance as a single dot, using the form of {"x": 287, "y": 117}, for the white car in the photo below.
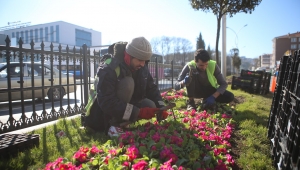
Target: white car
{"x": 54, "y": 92}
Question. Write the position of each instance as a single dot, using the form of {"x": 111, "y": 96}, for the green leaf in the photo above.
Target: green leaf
{"x": 180, "y": 161}
{"x": 123, "y": 158}
{"x": 196, "y": 165}
{"x": 95, "y": 162}
{"x": 154, "y": 163}
{"x": 151, "y": 143}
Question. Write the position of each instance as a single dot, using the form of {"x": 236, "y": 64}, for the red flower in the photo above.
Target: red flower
{"x": 132, "y": 153}
{"x": 141, "y": 165}
{"x": 94, "y": 150}
{"x": 83, "y": 149}
{"x": 80, "y": 156}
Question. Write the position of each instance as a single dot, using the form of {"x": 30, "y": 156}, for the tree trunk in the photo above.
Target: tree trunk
{"x": 217, "y": 39}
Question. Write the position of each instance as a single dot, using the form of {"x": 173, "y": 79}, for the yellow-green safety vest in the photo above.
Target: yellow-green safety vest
{"x": 209, "y": 71}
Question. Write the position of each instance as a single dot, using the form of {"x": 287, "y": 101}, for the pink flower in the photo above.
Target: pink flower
{"x": 80, "y": 156}
{"x": 153, "y": 148}
{"x": 166, "y": 165}
{"x": 143, "y": 134}
{"x": 126, "y": 164}
{"x": 208, "y": 147}
{"x": 185, "y": 120}
{"x": 173, "y": 157}
{"x": 113, "y": 152}
{"x": 221, "y": 165}
{"x": 132, "y": 153}
{"x": 165, "y": 152}
{"x": 156, "y": 137}
{"x": 226, "y": 116}
{"x": 94, "y": 150}
{"x": 230, "y": 159}
{"x": 141, "y": 165}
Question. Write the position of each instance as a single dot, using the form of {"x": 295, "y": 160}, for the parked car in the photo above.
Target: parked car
{"x": 168, "y": 72}
{"x": 55, "y": 92}
{"x": 78, "y": 74}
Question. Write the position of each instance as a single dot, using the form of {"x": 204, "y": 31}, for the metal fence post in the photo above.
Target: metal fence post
{"x": 172, "y": 69}
{"x": 156, "y": 71}
{"x": 85, "y": 74}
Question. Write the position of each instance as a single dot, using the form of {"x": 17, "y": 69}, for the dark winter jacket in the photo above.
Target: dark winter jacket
{"x": 108, "y": 101}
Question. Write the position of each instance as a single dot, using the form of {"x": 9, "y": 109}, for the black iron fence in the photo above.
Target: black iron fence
{"x": 39, "y": 86}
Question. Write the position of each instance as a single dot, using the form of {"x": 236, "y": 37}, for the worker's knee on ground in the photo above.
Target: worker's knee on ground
{"x": 125, "y": 89}
{"x": 147, "y": 103}
{"x": 230, "y": 97}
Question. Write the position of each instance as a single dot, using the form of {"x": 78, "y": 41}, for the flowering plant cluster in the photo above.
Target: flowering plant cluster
{"x": 189, "y": 140}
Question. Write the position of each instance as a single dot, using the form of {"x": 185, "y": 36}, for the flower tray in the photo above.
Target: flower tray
{"x": 11, "y": 144}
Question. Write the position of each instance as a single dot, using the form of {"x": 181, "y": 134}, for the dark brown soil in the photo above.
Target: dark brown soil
{"x": 235, "y": 138}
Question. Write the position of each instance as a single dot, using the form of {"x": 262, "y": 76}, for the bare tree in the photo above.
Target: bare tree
{"x": 167, "y": 46}
{"x": 154, "y": 44}
{"x": 223, "y": 7}
{"x": 186, "y": 46}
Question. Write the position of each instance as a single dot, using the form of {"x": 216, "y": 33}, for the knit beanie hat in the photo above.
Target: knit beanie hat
{"x": 139, "y": 48}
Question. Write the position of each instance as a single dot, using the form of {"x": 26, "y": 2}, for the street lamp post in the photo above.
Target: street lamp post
{"x": 236, "y": 40}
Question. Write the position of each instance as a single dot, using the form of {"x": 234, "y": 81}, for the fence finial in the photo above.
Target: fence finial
{"x": 7, "y": 40}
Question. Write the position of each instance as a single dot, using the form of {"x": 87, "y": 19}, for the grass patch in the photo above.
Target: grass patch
{"x": 250, "y": 142}
{"x": 252, "y": 149}
{"x": 51, "y": 147}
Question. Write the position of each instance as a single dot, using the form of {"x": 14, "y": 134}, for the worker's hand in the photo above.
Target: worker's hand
{"x": 147, "y": 112}
{"x": 210, "y": 100}
{"x": 187, "y": 79}
{"x": 165, "y": 114}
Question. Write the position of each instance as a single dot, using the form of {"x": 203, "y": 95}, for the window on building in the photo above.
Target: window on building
{"x": 57, "y": 33}
{"x": 18, "y": 36}
{"x": 294, "y": 46}
{"x": 83, "y": 37}
{"x": 26, "y": 36}
{"x": 46, "y": 33}
{"x": 41, "y": 34}
{"x": 31, "y": 35}
{"x": 13, "y": 35}
{"x": 294, "y": 39}
{"x": 36, "y": 36}
{"x": 51, "y": 34}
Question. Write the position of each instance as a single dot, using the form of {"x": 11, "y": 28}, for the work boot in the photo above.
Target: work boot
{"x": 191, "y": 105}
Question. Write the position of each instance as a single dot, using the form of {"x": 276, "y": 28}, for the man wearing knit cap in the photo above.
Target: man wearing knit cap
{"x": 126, "y": 91}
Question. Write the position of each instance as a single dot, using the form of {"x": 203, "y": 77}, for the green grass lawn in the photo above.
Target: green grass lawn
{"x": 251, "y": 145}
{"x": 250, "y": 142}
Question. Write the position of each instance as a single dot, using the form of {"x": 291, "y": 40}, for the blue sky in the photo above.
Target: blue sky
{"x": 121, "y": 20}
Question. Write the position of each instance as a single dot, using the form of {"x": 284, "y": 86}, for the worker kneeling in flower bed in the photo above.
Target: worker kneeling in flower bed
{"x": 125, "y": 90}
{"x": 203, "y": 79}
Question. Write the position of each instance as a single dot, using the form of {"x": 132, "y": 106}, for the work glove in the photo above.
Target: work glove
{"x": 187, "y": 79}
{"x": 210, "y": 101}
{"x": 164, "y": 115}
{"x": 147, "y": 112}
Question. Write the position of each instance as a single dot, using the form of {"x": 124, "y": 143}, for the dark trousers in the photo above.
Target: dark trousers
{"x": 206, "y": 91}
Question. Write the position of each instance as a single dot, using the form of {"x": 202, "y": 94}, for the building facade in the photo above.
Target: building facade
{"x": 57, "y": 33}
{"x": 284, "y": 43}
{"x": 267, "y": 61}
